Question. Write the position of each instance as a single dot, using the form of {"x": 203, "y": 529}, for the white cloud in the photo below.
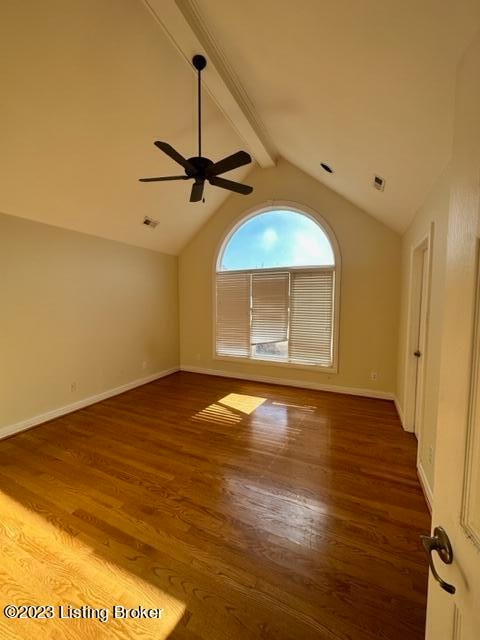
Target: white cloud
{"x": 310, "y": 249}
{"x": 269, "y": 239}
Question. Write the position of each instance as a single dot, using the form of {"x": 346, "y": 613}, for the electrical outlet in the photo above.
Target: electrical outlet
{"x": 73, "y": 387}
{"x": 373, "y": 376}
{"x": 144, "y": 365}
{"x": 430, "y": 454}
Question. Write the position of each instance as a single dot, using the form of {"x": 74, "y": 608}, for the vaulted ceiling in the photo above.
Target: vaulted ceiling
{"x": 87, "y": 85}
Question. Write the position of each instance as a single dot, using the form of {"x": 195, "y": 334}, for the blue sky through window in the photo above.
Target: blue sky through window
{"x": 277, "y": 239}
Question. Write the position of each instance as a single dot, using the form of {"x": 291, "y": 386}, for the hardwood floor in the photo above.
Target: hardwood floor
{"x": 242, "y": 510}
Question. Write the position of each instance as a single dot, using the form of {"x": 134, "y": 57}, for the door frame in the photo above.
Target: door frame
{"x": 413, "y": 315}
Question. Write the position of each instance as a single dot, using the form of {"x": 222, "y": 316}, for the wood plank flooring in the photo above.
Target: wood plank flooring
{"x": 243, "y": 510}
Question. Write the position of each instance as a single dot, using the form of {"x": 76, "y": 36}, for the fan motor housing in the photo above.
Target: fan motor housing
{"x": 201, "y": 164}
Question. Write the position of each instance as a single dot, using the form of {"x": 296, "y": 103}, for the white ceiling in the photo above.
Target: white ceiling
{"x": 87, "y": 85}
{"x": 366, "y": 86}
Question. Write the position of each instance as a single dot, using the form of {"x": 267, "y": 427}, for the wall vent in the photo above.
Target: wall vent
{"x": 379, "y": 183}
{"x": 150, "y": 222}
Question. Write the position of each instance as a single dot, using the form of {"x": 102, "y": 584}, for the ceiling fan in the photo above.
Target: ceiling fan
{"x": 199, "y": 168}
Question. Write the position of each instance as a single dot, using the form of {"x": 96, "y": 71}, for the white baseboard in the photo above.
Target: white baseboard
{"x": 401, "y": 415}
{"x": 400, "y": 412}
{"x": 353, "y": 391}
{"x": 426, "y": 488}
{"x": 10, "y": 430}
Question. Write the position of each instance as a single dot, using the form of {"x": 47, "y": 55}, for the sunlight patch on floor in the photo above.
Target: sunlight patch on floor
{"x": 242, "y": 402}
{"x": 227, "y": 410}
{"x": 304, "y": 407}
{"x": 217, "y": 414}
{"x": 46, "y": 564}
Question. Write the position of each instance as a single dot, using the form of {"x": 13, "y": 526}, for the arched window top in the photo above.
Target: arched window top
{"x": 277, "y": 238}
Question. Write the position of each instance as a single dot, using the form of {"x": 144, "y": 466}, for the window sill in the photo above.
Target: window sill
{"x": 317, "y": 368}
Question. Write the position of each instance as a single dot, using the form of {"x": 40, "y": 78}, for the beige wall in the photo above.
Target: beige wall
{"x": 78, "y": 309}
{"x": 431, "y": 219}
{"x": 370, "y": 285}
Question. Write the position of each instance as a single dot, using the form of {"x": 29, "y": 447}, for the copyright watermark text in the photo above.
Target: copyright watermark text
{"x": 85, "y": 612}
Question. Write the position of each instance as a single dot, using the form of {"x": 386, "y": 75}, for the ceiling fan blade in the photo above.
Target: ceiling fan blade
{"x": 197, "y": 191}
{"x": 238, "y": 187}
{"x": 163, "y": 179}
{"x": 229, "y": 163}
{"x": 174, "y": 155}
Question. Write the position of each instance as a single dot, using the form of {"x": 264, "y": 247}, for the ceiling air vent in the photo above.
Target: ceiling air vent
{"x": 326, "y": 167}
{"x": 150, "y": 222}
{"x": 379, "y": 183}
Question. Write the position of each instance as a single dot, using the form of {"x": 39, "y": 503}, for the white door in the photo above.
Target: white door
{"x": 457, "y": 462}
{"x": 421, "y": 340}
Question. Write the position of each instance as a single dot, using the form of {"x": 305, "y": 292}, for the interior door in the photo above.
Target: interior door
{"x": 421, "y": 340}
{"x": 457, "y": 462}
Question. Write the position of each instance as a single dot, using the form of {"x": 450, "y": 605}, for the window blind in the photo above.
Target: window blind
{"x": 311, "y": 317}
{"x": 287, "y": 316}
{"x": 233, "y": 314}
{"x": 270, "y": 291}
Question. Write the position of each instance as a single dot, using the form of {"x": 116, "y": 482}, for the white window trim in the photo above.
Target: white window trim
{"x": 295, "y": 207}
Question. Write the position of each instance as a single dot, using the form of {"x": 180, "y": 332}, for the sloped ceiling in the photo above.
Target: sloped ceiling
{"x": 365, "y": 86}
{"x": 87, "y": 85}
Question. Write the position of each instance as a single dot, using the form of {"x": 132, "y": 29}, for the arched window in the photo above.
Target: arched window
{"x": 276, "y": 290}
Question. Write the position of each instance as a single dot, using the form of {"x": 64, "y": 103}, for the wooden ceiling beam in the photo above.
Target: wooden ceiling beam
{"x": 183, "y": 24}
